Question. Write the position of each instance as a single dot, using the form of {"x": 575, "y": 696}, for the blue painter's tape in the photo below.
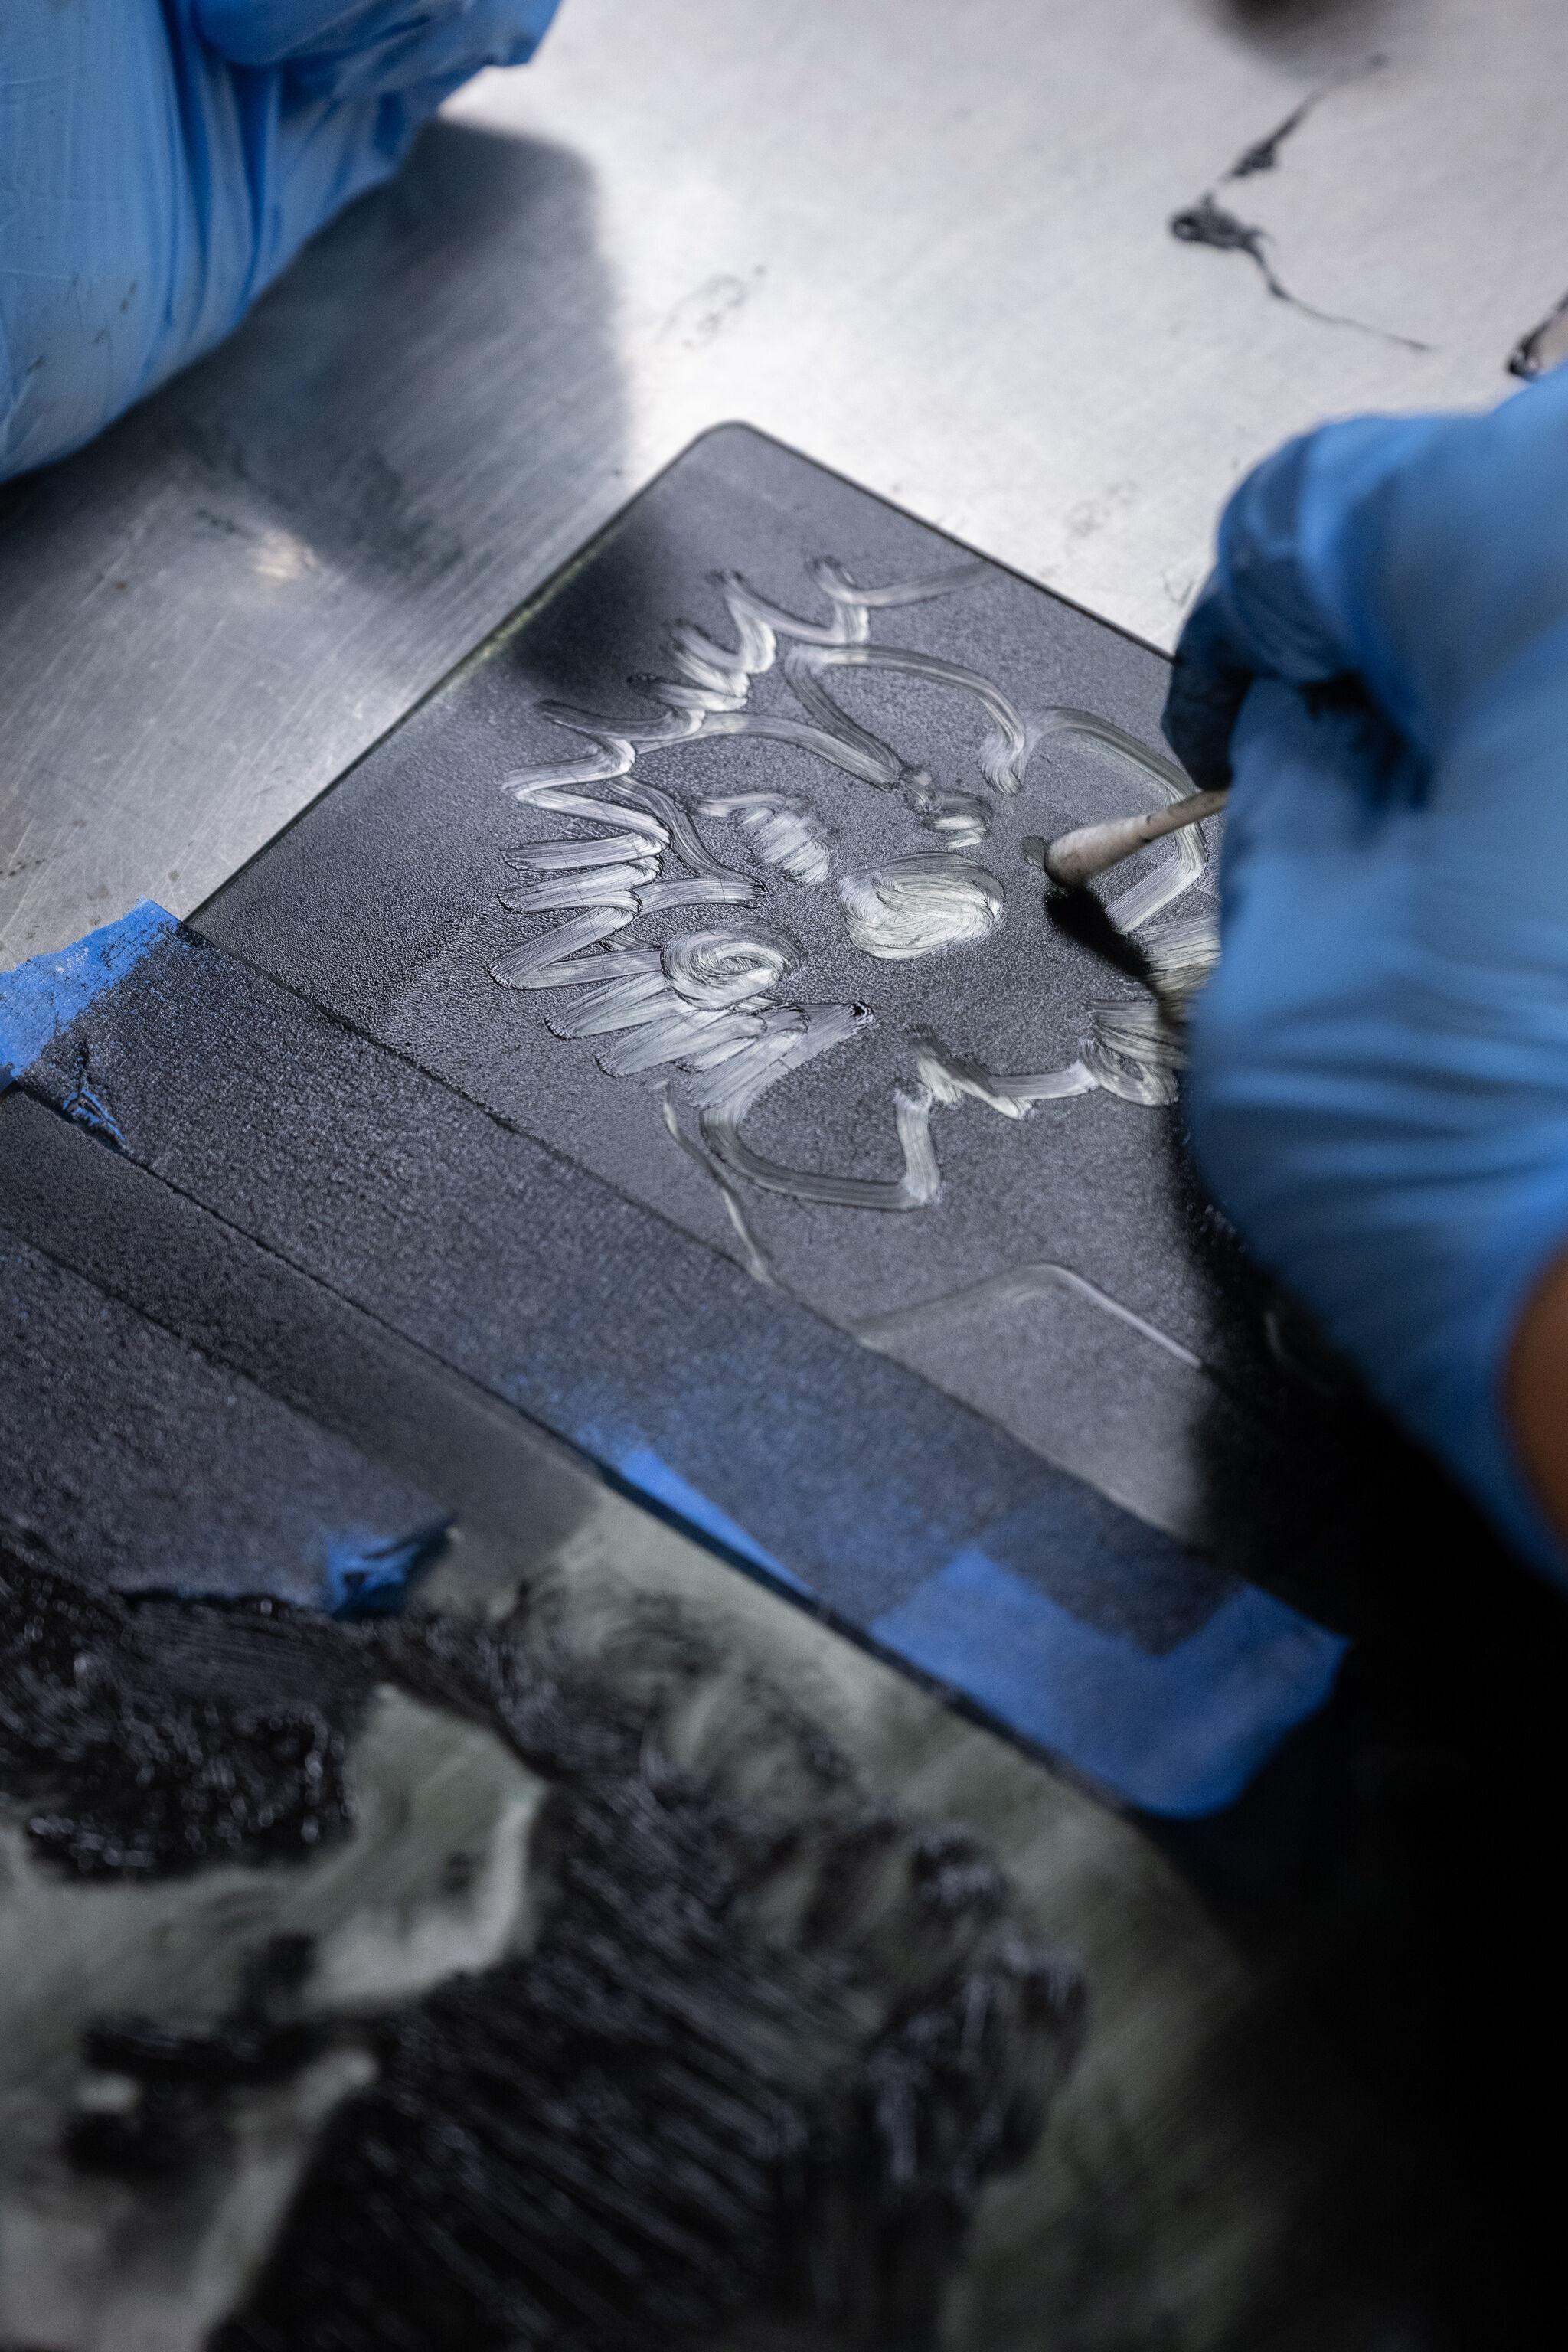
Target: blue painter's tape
{"x": 643, "y": 1468}
{"x": 1181, "y": 1733}
{"x": 43, "y": 996}
{"x": 368, "y": 1577}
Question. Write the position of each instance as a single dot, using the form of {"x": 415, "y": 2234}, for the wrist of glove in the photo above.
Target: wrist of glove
{"x": 164, "y": 160}
{"x": 1378, "y": 1076}
{"x": 339, "y": 49}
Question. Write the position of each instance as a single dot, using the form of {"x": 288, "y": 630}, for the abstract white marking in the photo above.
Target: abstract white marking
{"x": 707, "y": 1004}
{"x": 785, "y": 832}
{"x": 960, "y": 820}
{"x": 917, "y": 905}
{"x": 950, "y": 1079}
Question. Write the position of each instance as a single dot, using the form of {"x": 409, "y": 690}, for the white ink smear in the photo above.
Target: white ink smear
{"x": 1001, "y": 756}
{"x": 620, "y": 1004}
{"x": 699, "y": 890}
{"x": 706, "y": 1004}
{"x": 722, "y": 968}
{"x": 612, "y": 887}
{"x": 950, "y": 1078}
{"x": 675, "y": 1033}
{"x": 683, "y": 835}
{"x": 915, "y": 906}
{"x": 1168, "y": 783}
{"x": 1136, "y": 1051}
{"x": 758, "y": 1265}
{"x": 696, "y": 1003}
{"x": 785, "y": 832}
{"x": 540, "y": 962}
{"x": 1183, "y": 954}
{"x": 958, "y": 819}
{"x": 790, "y": 1041}
{"x": 1138, "y": 1046}
{"x": 572, "y": 856}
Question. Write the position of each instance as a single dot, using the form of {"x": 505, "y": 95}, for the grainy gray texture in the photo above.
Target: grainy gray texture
{"x": 131, "y": 1457}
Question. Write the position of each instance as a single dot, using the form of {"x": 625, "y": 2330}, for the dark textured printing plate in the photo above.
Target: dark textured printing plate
{"x": 665, "y": 1030}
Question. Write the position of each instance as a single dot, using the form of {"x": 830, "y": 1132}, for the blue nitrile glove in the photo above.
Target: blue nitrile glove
{"x": 1378, "y": 1083}
{"x": 161, "y": 159}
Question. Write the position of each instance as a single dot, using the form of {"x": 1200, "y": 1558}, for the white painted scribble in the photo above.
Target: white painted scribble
{"x": 1168, "y": 783}
{"x": 740, "y": 1083}
{"x": 1136, "y": 1048}
{"x": 714, "y": 967}
{"x": 950, "y": 1078}
{"x": 917, "y": 905}
{"x": 612, "y": 886}
{"x": 546, "y": 960}
{"x": 709, "y": 1004}
{"x": 958, "y": 819}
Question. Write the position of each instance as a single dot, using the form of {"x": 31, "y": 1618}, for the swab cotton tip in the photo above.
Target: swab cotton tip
{"x": 1075, "y": 859}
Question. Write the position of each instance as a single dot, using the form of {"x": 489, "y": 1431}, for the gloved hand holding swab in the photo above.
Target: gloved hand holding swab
{"x": 1074, "y": 858}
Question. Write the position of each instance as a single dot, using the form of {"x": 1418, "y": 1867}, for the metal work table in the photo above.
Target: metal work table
{"x": 927, "y": 245}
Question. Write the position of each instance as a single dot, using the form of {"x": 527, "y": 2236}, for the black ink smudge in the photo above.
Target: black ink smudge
{"x": 183, "y": 2072}
{"x": 658, "y": 2117}
{"x": 1263, "y": 155}
{"x": 1545, "y": 348}
{"x": 1210, "y": 223}
{"x": 764, "y": 2053}
{"x": 156, "y": 1736}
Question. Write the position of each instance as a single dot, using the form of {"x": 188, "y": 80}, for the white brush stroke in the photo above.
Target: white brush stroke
{"x": 915, "y": 906}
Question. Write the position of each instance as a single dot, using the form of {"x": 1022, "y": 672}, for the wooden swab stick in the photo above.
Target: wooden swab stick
{"x": 1075, "y": 859}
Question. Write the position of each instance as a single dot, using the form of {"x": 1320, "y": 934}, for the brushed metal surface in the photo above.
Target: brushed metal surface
{"x": 927, "y": 245}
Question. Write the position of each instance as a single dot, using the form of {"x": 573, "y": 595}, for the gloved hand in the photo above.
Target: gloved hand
{"x": 1378, "y": 1081}
{"x": 161, "y": 159}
